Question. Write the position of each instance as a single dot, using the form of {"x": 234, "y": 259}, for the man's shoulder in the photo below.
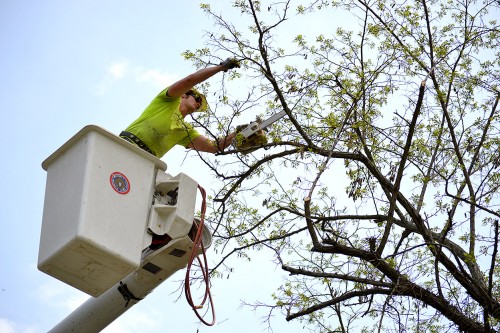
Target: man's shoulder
{"x": 162, "y": 100}
{"x": 165, "y": 96}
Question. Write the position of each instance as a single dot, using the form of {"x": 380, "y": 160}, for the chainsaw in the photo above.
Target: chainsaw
{"x": 253, "y": 135}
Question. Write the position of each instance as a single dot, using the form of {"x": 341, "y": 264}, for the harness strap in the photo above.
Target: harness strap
{"x": 134, "y": 139}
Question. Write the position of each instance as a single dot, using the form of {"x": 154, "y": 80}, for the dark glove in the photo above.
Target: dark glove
{"x": 230, "y": 63}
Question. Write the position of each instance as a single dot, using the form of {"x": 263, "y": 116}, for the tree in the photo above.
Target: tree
{"x": 379, "y": 192}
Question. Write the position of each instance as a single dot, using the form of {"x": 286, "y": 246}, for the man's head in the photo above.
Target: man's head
{"x": 199, "y": 99}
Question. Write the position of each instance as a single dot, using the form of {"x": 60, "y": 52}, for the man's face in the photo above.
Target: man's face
{"x": 194, "y": 97}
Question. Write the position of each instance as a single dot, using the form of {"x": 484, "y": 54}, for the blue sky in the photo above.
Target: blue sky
{"x": 67, "y": 64}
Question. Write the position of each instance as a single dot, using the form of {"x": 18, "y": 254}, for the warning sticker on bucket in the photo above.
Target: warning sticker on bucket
{"x": 119, "y": 182}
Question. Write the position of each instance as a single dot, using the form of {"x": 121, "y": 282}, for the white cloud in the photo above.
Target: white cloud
{"x": 115, "y": 72}
{"x": 118, "y": 69}
{"x": 123, "y": 70}
{"x": 155, "y": 77}
{"x": 61, "y": 296}
{"x": 7, "y": 326}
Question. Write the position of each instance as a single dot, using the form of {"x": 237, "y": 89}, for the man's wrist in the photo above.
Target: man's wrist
{"x": 225, "y": 142}
{"x": 230, "y": 63}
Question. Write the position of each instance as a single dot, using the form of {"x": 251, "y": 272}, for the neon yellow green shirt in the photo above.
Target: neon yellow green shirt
{"x": 161, "y": 125}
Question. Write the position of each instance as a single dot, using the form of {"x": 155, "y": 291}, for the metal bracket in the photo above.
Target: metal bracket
{"x": 127, "y": 295}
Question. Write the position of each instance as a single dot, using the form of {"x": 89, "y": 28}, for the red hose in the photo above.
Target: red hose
{"x": 198, "y": 244}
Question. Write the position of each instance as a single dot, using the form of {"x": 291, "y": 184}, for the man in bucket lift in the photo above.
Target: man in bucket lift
{"x": 161, "y": 125}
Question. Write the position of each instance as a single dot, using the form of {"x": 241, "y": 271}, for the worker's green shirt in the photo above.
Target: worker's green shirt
{"x": 161, "y": 125}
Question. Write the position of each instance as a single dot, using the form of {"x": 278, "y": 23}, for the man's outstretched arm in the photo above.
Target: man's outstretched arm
{"x": 184, "y": 85}
{"x": 202, "y": 143}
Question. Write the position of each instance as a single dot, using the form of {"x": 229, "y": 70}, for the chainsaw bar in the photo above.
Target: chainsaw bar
{"x": 256, "y": 126}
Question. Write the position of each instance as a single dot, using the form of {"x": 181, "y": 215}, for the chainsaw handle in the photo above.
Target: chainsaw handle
{"x": 250, "y": 129}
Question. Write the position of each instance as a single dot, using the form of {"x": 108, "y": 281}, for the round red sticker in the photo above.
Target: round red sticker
{"x": 119, "y": 182}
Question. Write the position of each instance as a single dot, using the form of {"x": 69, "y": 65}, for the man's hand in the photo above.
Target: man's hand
{"x": 230, "y": 63}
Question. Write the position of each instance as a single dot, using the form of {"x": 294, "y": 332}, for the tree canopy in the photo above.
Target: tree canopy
{"x": 378, "y": 193}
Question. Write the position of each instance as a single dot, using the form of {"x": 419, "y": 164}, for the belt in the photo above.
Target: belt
{"x": 134, "y": 139}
